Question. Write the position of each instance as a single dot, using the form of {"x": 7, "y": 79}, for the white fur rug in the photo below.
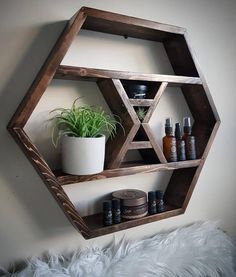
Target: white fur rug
{"x": 197, "y": 250}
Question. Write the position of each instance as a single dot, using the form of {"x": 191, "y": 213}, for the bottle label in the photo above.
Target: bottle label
{"x": 152, "y": 207}
{"x": 190, "y": 148}
{"x": 173, "y": 152}
{"x": 181, "y": 150}
{"x": 116, "y": 216}
{"x": 116, "y": 212}
{"x": 107, "y": 218}
{"x": 134, "y": 210}
{"x": 161, "y": 206}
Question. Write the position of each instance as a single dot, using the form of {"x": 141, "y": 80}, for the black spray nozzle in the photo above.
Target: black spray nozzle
{"x": 178, "y": 131}
{"x": 187, "y": 125}
{"x": 186, "y": 122}
{"x": 168, "y": 126}
{"x": 168, "y": 122}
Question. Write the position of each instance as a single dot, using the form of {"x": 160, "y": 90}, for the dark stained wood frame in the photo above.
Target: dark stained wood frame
{"x": 188, "y": 77}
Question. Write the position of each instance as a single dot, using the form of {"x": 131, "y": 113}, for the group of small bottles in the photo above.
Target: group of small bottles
{"x": 155, "y": 202}
{"x": 111, "y": 212}
{"x": 179, "y": 147}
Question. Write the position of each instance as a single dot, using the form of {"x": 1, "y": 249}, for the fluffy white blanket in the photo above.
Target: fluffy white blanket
{"x": 197, "y": 250}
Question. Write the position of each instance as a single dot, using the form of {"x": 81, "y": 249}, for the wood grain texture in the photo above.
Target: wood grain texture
{"x": 200, "y": 74}
{"x": 47, "y": 72}
{"x": 137, "y": 135}
{"x": 210, "y": 140}
{"x": 198, "y": 103}
{"x": 183, "y": 181}
{"x": 202, "y": 132}
{"x": 140, "y": 145}
{"x": 116, "y": 97}
{"x": 94, "y": 74}
{"x": 179, "y": 185}
{"x": 95, "y": 221}
{"x": 155, "y": 102}
{"x": 141, "y": 102}
{"x": 118, "y": 102}
{"x": 114, "y": 18}
{"x": 199, "y": 168}
{"x": 154, "y": 144}
{"x": 125, "y": 169}
{"x": 180, "y": 57}
{"x": 128, "y": 26}
{"x": 49, "y": 180}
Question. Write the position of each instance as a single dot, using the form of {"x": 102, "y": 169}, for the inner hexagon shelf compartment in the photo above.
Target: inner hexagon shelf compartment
{"x": 138, "y": 135}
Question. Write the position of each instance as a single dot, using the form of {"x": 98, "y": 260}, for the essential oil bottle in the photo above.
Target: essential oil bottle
{"x": 152, "y": 205}
{"x": 169, "y": 142}
{"x": 160, "y": 201}
{"x": 116, "y": 212}
{"x": 180, "y": 143}
{"x": 107, "y": 213}
{"x": 189, "y": 139}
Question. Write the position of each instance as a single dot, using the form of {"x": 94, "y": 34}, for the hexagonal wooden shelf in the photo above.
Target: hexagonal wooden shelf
{"x": 111, "y": 83}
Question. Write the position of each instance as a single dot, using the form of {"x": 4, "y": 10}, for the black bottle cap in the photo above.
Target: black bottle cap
{"x": 116, "y": 203}
{"x": 178, "y": 132}
{"x": 168, "y": 122}
{"x": 159, "y": 194}
{"x": 187, "y": 125}
{"x": 168, "y": 126}
{"x": 107, "y": 205}
{"x": 187, "y": 122}
{"x": 151, "y": 195}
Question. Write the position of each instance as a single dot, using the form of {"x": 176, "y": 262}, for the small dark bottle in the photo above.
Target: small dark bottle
{"x": 159, "y": 201}
{"x": 189, "y": 139}
{"x": 116, "y": 213}
{"x": 180, "y": 143}
{"x": 169, "y": 142}
{"x": 107, "y": 213}
{"x": 152, "y": 205}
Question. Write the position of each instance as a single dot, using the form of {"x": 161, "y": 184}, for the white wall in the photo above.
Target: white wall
{"x": 30, "y": 220}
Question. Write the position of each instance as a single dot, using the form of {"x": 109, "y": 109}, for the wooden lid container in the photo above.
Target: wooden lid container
{"x": 133, "y": 203}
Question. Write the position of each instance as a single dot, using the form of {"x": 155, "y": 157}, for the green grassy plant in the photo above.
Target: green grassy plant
{"x": 141, "y": 113}
{"x": 82, "y": 121}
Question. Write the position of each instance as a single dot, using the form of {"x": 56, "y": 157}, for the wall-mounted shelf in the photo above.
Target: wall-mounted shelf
{"x": 83, "y": 73}
{"x": 128, "y": 168}
{"x": 94, "y": 222}
{"x": 138, "y": 135}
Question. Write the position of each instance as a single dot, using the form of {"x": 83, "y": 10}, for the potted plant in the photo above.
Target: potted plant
{"x": 81, "y": 131}
{"x": 141, "y": 113}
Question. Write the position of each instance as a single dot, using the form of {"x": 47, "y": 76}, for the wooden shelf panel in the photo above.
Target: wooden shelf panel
{"x": 83, "y": 73}
{"x": 141, "y": 102}
{"x": 140, "y": 145}
{"x": 126, "y": 169}
{"x": 95, "y": 223}
{"x": 127, "y": 26}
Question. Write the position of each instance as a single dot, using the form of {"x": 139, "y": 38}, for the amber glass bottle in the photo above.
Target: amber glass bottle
{"x": 180, "y": 143}
{"x": 169, "y": 142}
{"x": 189, "y": 139}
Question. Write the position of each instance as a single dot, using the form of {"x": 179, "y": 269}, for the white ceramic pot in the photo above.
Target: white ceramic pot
{"x": 82, "y": 156}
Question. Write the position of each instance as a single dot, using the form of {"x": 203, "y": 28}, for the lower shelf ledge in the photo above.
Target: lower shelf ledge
{"x": 126, "y": 169}
{"x": 95, "y": 225}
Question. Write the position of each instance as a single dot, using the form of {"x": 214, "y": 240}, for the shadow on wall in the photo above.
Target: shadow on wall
{"x": 23, "y": 198}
